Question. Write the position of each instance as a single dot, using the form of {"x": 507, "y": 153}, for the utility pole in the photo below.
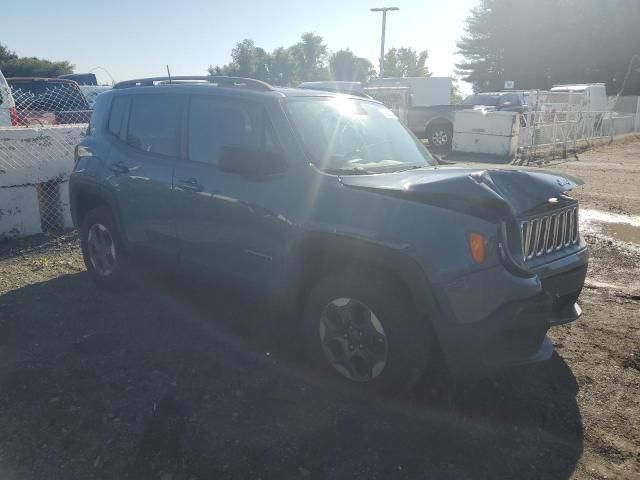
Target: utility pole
{"x": 384, "y": 11}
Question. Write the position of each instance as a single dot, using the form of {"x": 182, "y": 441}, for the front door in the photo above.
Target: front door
{"x": 229, "y": 223}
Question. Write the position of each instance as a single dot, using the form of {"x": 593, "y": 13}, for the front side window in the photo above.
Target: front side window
{"x": 155, "y": 123}
{"x": 215, "y": 123}
{"x": 345, "y": 135}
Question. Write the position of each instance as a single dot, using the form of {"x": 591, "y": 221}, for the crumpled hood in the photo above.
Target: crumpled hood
{"x": 487, "y": 194}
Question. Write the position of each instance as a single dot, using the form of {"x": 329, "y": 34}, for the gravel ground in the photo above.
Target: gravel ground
{"x": 164, "y": 383}
{"x": 611, "y": 174}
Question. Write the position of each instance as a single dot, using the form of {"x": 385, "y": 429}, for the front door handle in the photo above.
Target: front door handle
{"x": 190, "y": 184}
{"x": 119, "y": 167}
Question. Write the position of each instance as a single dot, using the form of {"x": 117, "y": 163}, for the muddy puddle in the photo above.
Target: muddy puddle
{"x": 624, "y": 228}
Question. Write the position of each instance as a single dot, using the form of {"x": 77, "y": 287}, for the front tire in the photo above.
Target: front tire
{"x": 363, "y": 330}
{"x": 103, "y": 250}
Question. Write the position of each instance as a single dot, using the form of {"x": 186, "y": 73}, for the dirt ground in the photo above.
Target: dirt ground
{"x": 163, "y": 382}
{"x": 612, "y": 176}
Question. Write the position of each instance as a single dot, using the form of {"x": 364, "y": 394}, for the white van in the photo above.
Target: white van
{"x": 593, "y": 95}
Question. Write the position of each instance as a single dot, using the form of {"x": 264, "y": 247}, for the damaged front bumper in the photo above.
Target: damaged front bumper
{"x": 496, "y": 319}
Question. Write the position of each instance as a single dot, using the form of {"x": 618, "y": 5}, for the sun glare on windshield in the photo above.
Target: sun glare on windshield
{"x": 347, "y": 107}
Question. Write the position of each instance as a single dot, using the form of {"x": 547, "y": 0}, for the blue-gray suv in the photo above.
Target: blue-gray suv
{"x": 329, "y": 206}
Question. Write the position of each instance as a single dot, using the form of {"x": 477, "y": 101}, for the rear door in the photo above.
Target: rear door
{"x": 147, "y": 136}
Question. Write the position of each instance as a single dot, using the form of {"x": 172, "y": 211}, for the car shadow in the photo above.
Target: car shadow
{"x": 163, "y": 379}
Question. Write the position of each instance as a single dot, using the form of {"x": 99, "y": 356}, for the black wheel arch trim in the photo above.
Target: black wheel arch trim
{"x": 96, "y": 190}
{"x": 361, "y": 253}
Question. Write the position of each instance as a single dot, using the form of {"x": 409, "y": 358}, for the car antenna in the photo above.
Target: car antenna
{"x": 169, "y": 73}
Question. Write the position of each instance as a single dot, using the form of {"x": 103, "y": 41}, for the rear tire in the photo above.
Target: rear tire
{"x": 385, "y": 351}
{"x": 103, "y": 250}
{"x": 440, "y": 135}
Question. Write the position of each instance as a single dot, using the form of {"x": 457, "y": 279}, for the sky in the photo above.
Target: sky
{"x": 132, "y": 39}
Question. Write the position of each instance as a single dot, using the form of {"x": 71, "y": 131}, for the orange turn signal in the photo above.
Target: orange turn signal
{"x": 476, "y": 245}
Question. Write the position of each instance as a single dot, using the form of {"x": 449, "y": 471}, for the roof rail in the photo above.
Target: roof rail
{"x": 220, "y": 80}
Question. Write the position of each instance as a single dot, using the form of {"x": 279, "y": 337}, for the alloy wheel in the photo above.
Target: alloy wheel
{"x": 353, "y": 339}
{"x": 440, "y": 138}
{"x": 101, "y": 249}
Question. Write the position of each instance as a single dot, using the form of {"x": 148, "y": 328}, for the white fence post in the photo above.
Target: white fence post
{"x": 636, "y": 123}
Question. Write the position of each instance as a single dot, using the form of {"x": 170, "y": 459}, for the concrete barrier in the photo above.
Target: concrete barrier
{"x": 35, "y": 164}
{"x": 36, "y": 155}
{"x": 19, "y": 212}
{"x": 486, "y": 132}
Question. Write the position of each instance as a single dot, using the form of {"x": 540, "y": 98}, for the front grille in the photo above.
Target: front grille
{"x": 549, "y": 233}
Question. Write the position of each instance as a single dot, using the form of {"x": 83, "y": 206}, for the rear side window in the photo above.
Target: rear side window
{"x": 155, "y": 123}
{"x": 116, "y": 117}
{"x": 215, "y": 123}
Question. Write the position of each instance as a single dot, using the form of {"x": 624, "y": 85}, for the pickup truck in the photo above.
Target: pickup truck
{"x": 435, "y": 123}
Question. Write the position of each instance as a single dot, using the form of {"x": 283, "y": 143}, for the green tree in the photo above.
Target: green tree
{"x": 561, "y": 41}
{"x": 406, "y": 62}
{"x": 6, "y": 54}
{"x": 304, "y": 61}
{"x": 311, "y": 54}
{"x": 14, "y": 66}
{"x": 247, "y": 61}
{"x": 283, "y": 69}
{"x": 456, "y": 95}
{"x": 345, "y": 66}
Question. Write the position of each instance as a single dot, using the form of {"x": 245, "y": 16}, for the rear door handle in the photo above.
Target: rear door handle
{"x": 119, "y": 167}
{"x": 190, "y": 184}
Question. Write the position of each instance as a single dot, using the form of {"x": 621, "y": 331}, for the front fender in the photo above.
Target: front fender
{"x": 315, "y": 251}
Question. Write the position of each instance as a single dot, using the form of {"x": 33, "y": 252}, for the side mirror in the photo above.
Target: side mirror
{"x": 250, "y": 162}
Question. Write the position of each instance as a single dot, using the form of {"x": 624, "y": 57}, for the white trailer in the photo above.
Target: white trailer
{"x": 425, "y": 91}
{"x": 592, "y": 96}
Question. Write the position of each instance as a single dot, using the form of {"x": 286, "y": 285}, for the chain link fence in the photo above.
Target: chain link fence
{"x": 41, "y": 121}
{"x": 559, "y": 122}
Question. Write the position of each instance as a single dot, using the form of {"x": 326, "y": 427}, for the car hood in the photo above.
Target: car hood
{"x": 490, "y": 194}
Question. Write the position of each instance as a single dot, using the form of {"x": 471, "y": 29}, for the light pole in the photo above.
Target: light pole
{"x": 384, "y": 11}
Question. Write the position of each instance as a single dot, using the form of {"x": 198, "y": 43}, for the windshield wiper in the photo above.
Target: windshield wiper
{"x": 397, "y": 168}
{"x": 411, "y": 167}
{"x": 349, "y": 171}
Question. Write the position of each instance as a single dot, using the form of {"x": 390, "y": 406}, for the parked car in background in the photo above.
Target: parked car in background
{"x": 82, "y": 78}
{"x": 90, "y": 92}
{"x": 436, "y": 123}
{"x": 47, "y": 101}
{"x": 326, "y": 205}
{"x": 502, "y": 101}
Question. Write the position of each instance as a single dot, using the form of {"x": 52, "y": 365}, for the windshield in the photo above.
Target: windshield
{"x": 346, "y": 135}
